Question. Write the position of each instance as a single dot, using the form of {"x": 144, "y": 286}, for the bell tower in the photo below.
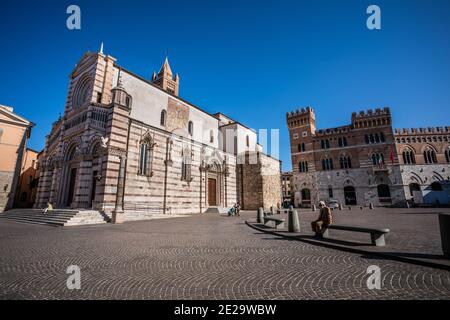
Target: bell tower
{"x": 165, "y": 79}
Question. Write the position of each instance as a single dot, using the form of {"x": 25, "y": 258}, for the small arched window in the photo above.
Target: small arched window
{"x": 247, "y": 141}
{"x": 303, "y": 166}
{"x": 429, "y": 156}
{"x": 330, "y": 191}
{"x": 342, "y": 142}
{"x": 345, "y": 162}
{"x": 377, "y": 138}
{"x": 301, "y": 147}
{"x": 447, "y": 155}
{"x": 211, "y": 136}
{"x": 327, "y": 164}
{"x": 163, "y": 118}
{"x": 409, "y": 157}
{"x": 145, "y": 158}
{"x": 191, "y": 128}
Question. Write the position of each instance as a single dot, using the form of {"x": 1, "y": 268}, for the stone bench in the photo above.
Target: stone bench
{"x": 277, "y": 223}
{"x": 285, "y": 211}
{"x": 376, "y": 235}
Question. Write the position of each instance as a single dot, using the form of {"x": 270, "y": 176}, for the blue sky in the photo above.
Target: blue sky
{"x": 253, "y": 60}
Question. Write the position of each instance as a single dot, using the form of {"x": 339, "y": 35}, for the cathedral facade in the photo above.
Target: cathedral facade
{"x": 368, "y": 162}
{"x": 127, "y": 146}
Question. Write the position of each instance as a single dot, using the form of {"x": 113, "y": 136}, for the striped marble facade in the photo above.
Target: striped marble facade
{"x": 94, "y": 154}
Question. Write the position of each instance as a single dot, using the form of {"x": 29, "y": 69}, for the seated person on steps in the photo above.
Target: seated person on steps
{"x": 48, "y": 209}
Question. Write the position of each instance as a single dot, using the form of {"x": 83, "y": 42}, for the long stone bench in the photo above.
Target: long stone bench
{"x": 277, "y": 223}
{"x": 376, "y": 235}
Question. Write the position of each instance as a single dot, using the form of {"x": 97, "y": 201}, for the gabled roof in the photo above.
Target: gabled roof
{"x": 15, "y": 118}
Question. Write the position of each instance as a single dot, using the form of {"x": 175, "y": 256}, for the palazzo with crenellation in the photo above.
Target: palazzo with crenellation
{"x": 367, "y": 161}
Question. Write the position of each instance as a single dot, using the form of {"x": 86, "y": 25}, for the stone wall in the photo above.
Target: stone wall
{"x": 164, "y": 187}
{"x": 6, "y": 181}
{"x": 363, "y": 180}
{"x": 261, "y": 181}
{"x": 424, "y": 176}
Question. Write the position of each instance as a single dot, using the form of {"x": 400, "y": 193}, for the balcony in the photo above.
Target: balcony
{"x": 96, "y": 116}
{"x": 380, "y": 168}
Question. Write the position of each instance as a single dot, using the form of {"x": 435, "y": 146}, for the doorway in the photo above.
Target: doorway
{"x": 212, "y": 192}
{"x": 72, "y": 179}
{"x": 350, "y": 196}
{"x": 93, "y": 187}
{"x": 384, "y": 194}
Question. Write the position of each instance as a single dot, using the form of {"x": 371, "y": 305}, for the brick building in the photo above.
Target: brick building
{"x": 131, "y": 147}
{"x": 366, "y": 162}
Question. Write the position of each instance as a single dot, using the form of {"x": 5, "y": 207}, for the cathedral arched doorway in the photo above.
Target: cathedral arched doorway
{"x": 350, "y": 196}
{"x": 214, "y": 188}
{"x": 70, "y": 177}
{"x": 212, "y": 192}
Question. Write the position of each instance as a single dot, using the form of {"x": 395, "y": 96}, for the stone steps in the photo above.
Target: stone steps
{"x": 217, "y": 210}
{"x": 58, "y": 218}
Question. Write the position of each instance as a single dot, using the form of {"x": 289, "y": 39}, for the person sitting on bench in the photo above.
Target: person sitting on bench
{"x": 325, "y": 219}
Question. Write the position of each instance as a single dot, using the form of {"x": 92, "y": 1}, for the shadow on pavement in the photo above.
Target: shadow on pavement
{"x": 412, "y": 258}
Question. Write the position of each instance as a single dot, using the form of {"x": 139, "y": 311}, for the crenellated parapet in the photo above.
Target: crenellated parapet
{"x": 372, "y": 118}
{"x": 372, "y": 113}
{"x": 301, "y": 117}
{"x": 422, "y": 131}
{"x": 308, "y": 111}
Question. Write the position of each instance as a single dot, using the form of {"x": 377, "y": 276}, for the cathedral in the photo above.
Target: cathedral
{"x": 367, "y": 162}
{"x": 130, "y": 148}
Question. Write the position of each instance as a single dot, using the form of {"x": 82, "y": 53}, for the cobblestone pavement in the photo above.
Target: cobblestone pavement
{"x": 414, "y": 232}
{"x": 199, "y": 257}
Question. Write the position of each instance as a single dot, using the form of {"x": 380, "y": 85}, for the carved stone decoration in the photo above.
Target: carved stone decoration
{"x": 114, "y": 151}
{"x": 225, "y": 170}
{"x": 104, "y": 142}
{"x": 169, "y": 161}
